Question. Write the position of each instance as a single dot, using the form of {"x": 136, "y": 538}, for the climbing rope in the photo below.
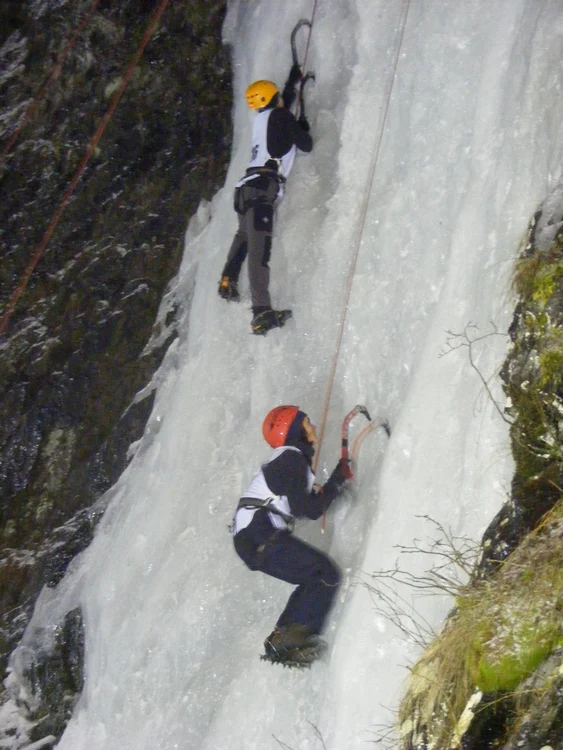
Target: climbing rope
{"x": 93, "y": 143}
{"x": 359, "y": 234}
{"x": 44, "y": 86}
{"x": 309, "y": 37}
{"x": 300, "y": 107}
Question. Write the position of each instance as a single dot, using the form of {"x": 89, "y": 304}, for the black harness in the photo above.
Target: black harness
{"x": 261, "y": 177}
{"x": 270, "y": 169}
{"x": 252, "y": 503}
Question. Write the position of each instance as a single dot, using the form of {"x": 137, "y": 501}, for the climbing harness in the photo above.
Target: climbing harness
{"x": 251, "y": 503}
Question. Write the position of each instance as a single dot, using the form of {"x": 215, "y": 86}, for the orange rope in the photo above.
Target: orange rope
{"x": 299, "y": 99}
{"x": 309, "y": 37}
{"x": 54, "y": 73}
{"x": 359, "y": 234}
{"x": 93, "y": 143}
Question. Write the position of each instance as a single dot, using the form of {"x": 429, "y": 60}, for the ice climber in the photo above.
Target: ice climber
{"x": 276, "y": 136}
{"x": 284, "y": 489}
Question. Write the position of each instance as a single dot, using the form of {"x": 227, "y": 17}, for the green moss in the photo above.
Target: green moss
{"x": 529, "y": 431}
{"x": 528, "y": 576}
{"x": 546, "y": 281}
{"x": 535, "y": 322}
{"x": 537, "y": 359}
{"x": 505, "y": 674}
{"x": 551, "y": 365}
{"x": 502, "y": 629}
{"x": 538, "y": 276}
{"x": 516, "y": 625}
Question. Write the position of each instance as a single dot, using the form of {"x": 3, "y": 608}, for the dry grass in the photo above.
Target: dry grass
{"x": 499, "y": 632}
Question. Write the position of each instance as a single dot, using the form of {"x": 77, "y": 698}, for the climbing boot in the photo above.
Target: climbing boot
{"x": 288, "y": 637}
{"x": 264, "y": 320}
{"x": 228, "y": 289}
{"x": 293, "y": 646}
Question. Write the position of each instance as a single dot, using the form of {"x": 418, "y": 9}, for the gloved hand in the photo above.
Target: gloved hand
{"x": 295, "y": 75}
{"x": 342, "y": 472}
{"x": 303, "y": 124}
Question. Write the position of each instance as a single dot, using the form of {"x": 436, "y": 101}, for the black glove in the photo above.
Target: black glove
{"x": 295, "y": 75}
{"x": 303, "y": 124}
{"x": 341, "y": 473}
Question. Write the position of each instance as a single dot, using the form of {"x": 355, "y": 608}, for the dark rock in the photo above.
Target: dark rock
{"x": 533, "y": 380}
{"x": 57, "y": 678}
{"x": 541, "y": 703}
{"x": 74, "y": 352}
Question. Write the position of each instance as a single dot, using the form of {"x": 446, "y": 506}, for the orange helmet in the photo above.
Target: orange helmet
{"x": 277, "y": 424}
{"x": 260, "y": 93}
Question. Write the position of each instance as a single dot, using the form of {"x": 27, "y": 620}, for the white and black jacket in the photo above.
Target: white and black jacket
{"x": 284, "y": 485}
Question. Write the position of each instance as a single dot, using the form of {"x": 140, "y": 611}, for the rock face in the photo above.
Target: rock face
{"x": 533, "y": 381}
{"x": 493, "y": 677}
{"x": 74, "y": 352}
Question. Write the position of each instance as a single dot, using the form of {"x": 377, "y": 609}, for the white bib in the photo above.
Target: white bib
{"x": 259, "y": 490}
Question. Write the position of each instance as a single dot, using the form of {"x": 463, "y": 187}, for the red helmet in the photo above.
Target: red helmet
{"x": 277, "y": 424}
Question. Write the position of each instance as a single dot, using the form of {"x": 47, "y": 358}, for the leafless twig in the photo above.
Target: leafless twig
{"x": 282, "y": 744}
{"x": 396, "y": 609}
{"x": 385, "y": 735}
{"x": 467, "y": 339}
{"x": 315, "y": 729}
{"x": 319, "y": 735}
{"x": 454, "y": 560}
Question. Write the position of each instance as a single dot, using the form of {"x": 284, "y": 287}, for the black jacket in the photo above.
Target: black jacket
{"x": 287, "y": 475}
{"x": 284, "y": 131}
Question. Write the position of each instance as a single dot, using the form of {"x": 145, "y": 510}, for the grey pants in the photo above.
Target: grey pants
{"x": 255, "y": 208}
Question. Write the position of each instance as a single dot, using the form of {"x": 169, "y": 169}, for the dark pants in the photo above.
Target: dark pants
{"x": 255, "y": 207}
{"x": 292, "y": 560}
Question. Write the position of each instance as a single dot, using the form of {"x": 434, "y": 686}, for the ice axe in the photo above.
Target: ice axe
{"x": 358, "y": 409}
{"x": 306, "y": 77}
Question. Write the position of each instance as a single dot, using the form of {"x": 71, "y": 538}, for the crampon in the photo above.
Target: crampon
{"x": 297, "y": 658}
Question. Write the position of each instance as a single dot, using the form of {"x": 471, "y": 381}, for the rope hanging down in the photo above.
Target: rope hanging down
{"x": 300, "y": 106}
{"x": 52, "y": 75}
{"x": 310, "y": 32}
{"x": 359, "y": 234}
{"x": 93, "y": 143}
